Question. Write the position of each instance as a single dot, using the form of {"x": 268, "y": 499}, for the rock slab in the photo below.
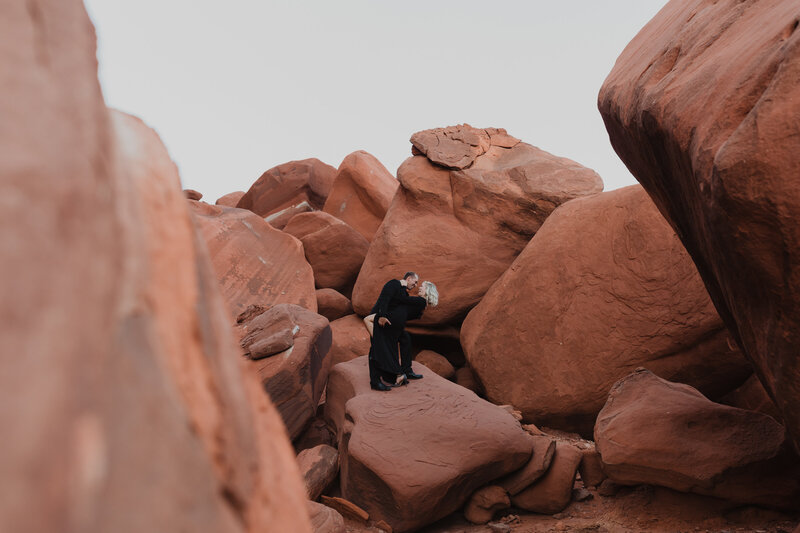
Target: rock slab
{"x": 409, "y": 478}
{"x": 696, "y": 446}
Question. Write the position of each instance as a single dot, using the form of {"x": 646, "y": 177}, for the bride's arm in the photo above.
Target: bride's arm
{"x": 369, "y": 322}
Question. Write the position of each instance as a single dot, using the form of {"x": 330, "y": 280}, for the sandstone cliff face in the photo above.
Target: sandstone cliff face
{"x": 462, "y": 226}
{"x": 702, "y": 107}
{"x": 130, "y": 408}
{"x": 605, "y": 286}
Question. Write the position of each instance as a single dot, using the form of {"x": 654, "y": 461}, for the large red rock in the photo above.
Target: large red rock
{"x": 462, "y": 228}
{"x": 605, "y": 286}
{"x": 289, "y": 188}
{"x": 361, "y": 193}
{"x": 334, "y": 250}
{"x": 255, "y": 263}
{"x": 350, "y": 339}
{"x": 662, "y": 433}
{"x": 552, "y": 493}
{"x": 296, "y": 377}
{"x": 319, "y": 466}
{"x": 416, "y": 454}
{"x": 230, "y": 199}
{"x": 332, "y": 304}
{"x": 125, "y": 402}
{"x": 702, "y": 107}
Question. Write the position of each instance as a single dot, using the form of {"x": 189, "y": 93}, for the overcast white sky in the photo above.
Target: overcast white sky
{"x": 237, "y": 87}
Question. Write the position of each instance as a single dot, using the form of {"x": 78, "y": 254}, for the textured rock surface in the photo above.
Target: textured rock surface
{"x": 350, "y": 339}
{"x": 591, "y": 467}
{"x": 461, "y": 229}
{"x": 319, "y": 466}
{"x": 485, "y": 502}
{"x": 296, "y": 377}
{"x": 192, "y": 194}
{"x": 752, "y": 396}
{"x": 543, "y": 450}
{"x": 332, "y": 304}
{"x": 465, "y": 377}
{"x": 696, "y": 446}
{"x": 289, "y": 188}
{"x": 604, "y": 287}
{"x": 334, "y": 250}
{"x": 411, "y": 478}
{"x": 325, "y": 519}
{"x": 437, "y": 363}
{"x": 552, "y": 493}
{"x": 361, "y": 193}
{"x": 254, "y": 262}
{"x": 230, "y": 199}
{"x": 126, "y": 403}
{"x": 702, "y": 107}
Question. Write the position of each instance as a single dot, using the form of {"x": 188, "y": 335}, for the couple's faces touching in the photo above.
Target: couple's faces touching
{"x": 412, "y": 283}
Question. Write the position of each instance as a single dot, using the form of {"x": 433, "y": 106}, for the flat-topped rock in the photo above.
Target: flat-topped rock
{"x": 417, "y": 453}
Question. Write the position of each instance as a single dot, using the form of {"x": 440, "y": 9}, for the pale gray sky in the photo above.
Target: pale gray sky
{"x": 237, "y": 87}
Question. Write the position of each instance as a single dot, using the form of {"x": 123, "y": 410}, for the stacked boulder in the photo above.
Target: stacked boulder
{"x": 463, "y": 212}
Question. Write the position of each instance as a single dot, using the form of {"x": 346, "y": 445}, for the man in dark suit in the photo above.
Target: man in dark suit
{"x": 393, "y": 308}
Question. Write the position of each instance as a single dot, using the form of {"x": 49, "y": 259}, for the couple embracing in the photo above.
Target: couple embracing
{"x": 389, "y": 336}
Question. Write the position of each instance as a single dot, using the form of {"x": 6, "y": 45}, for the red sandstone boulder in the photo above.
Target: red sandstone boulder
{"x": 332, "y": 304}
{"x": 544, "y": 447}
{"x": 350, "y": 339}
{"x": 553, "y": 492}
{"x": 462, "y": 228}
{"x": 702, "y": 107}
{"x": 192, "y": 194}
{"x": 230, "y": 199}
{"x": 662, "y": 433}
{"x": 465, "y": 377}
{"x": 288, "y": 189}
{"x": 485, "y": 502}
{"x": 361, "y": 193}
{"x": 417, "y": 453}
{"x": 296, "y": 377}
{"x": 605, "y": 286}
{"x": 752, "y": 396}
{"x": 325, "y": 519}
{"x": 125, "y": 402}
{"x": 334, "y": 250}
{"x": 436, "y": 363}
{"x": 254, "y": 262}
{"x": 319, "y": 466}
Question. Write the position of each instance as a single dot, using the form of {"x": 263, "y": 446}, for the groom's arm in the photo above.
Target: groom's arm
{"x": 382, "y": 305}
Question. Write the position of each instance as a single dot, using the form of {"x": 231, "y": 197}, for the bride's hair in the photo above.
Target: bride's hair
{"x": 431, "y": 293}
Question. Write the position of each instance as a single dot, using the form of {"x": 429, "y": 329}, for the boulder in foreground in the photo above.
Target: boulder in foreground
{"x": 662, "y": 433}
{"x": 416, "y": 454}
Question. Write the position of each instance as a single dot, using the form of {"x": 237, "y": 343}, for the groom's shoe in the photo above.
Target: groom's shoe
{"x": 412, "y": 375}
{"x": 379, "y": 386}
